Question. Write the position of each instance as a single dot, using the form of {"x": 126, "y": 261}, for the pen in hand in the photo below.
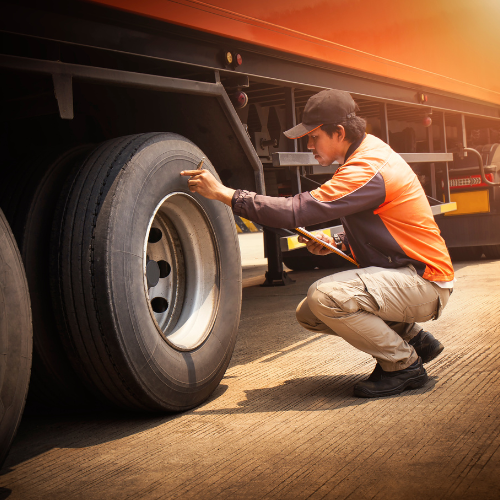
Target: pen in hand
{"x": 205, "y": 184}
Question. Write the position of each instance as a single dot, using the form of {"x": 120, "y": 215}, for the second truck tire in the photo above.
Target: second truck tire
{"x": 54, "y": 385}
{"x": 147, "y": 276}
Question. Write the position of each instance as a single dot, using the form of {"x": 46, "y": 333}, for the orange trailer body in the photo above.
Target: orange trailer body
{"x": 449, "y": 45}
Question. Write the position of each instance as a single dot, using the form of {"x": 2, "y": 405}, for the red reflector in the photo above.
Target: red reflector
{"x": 239, "y": 60}
{"x": 470, "y": 181}
{"x": 239, "y": 99}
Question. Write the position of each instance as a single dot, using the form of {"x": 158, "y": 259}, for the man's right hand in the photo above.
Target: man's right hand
{"x": 316, "y": 248}
{"x": 204, "y": 183}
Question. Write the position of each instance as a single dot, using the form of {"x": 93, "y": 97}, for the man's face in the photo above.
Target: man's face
{"x": 327, "y": 149}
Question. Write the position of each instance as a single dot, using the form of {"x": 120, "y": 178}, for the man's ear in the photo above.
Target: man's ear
{"x": 341, "y": 132}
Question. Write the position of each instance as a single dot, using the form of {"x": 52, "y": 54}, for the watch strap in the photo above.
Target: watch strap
{"x": 338, "y": 241}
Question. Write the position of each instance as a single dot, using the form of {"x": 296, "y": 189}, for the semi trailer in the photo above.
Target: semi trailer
{"x": 119, "y": 287}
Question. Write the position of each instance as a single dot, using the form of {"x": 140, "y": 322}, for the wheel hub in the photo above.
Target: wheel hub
{"x": 182, "y": 271}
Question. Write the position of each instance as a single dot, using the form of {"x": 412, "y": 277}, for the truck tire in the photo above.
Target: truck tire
{"x": 54, "y": 384}
{"x": 298, "y": 262}
{"x": 465, "y": 253}
{"x": 491, "y": 251}
{"x": 303, "y": 260}
{"x": 147, "y": 275}
{"x": 15, "y": 337}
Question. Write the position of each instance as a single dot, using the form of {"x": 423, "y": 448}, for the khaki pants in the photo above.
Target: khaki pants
{"x": 375, "y": 310}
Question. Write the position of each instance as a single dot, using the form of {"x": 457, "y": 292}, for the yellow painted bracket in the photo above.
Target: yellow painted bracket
{"x": 444, "y": 208}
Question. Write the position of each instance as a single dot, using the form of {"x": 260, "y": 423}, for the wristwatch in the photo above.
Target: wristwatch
{"x": 338, "y": 241}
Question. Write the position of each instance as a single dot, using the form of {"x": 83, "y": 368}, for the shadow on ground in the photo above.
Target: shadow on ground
{"x": 318, "y": 393}
{"x": 4, "y": 493}
{"x": 39, "y": 434}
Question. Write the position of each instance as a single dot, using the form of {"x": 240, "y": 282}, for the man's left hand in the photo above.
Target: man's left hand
{"x": 316, "y": 248}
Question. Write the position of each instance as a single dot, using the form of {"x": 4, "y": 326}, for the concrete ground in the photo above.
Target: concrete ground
{"x": 283, "y": 423}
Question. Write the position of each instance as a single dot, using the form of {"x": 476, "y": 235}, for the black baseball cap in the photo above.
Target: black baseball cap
{"x": 326, "y": 107}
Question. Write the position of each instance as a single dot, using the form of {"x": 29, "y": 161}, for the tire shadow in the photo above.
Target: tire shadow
{"x": 318, "y": 393}
{"x": 4, "y": 493}
{"x": 38, "y": 434}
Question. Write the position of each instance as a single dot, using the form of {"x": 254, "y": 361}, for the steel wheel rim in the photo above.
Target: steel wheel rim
{"x": 181, "y": 271}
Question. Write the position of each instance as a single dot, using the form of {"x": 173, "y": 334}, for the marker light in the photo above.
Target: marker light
{"x": 422, "y": 98}
{"x": 239, "y": 99}
{"x": 228, "y": 57}
{"x": 231, "y": 59}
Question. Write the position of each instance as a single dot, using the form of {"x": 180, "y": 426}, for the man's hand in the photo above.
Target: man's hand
{"x": 204, "y": 183}
{"x": 316, "y": 248}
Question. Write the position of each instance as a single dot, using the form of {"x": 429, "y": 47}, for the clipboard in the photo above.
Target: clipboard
{"x": 310, "y": 236}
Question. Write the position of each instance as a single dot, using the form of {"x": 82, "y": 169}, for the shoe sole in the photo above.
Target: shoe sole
{"x": 439, "y": 348}
{"x": 412, "y": 383}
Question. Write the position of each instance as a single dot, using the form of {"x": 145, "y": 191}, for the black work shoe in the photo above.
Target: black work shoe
{"x": 426, "y": 346}
{"x": 391, "y": 383}
{"x": 376, "y": 374}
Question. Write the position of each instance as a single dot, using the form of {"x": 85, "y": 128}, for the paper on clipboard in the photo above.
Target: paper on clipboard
{"x": 311, "y": 236}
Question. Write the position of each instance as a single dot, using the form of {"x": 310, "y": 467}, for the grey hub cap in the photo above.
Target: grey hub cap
{"x": 182, "y": 271}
